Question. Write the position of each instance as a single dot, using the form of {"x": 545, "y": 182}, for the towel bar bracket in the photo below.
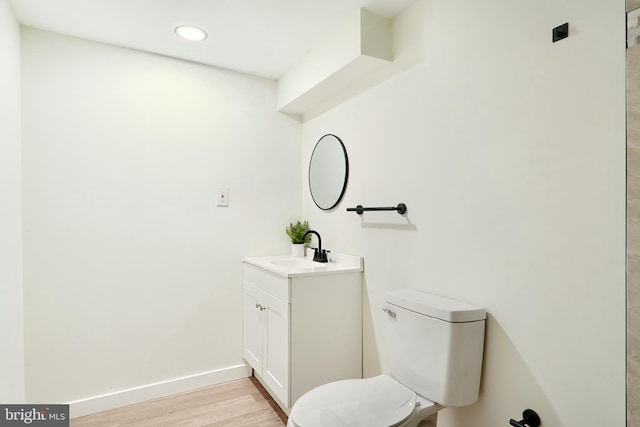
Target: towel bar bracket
{"x": 529, "y": 419}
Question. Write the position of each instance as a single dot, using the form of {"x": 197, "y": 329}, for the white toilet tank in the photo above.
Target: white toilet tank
{"x": 435, "y": 345}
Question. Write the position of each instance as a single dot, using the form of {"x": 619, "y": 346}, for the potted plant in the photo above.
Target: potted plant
{"x": 296, "y": 233}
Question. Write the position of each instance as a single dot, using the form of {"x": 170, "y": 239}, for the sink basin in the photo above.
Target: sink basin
{"x": 288, "y": 266}
{"x": 299, "y": 263}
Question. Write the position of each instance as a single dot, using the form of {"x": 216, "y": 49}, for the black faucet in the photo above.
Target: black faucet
{"x": 319, "y": 254}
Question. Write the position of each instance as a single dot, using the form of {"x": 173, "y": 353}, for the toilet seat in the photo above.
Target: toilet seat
{"x": 372, "y": 402}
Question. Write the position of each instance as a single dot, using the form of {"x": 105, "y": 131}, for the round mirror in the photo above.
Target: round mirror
{"x": 328, "y": 172}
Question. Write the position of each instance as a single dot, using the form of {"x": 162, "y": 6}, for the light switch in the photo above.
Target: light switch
{"x": 222, "y": 196}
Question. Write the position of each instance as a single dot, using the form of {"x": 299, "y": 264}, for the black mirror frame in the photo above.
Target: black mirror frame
{"x": 346, "y": 173}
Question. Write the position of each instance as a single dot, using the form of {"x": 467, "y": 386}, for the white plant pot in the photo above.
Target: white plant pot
{"x": 297, "y": 250}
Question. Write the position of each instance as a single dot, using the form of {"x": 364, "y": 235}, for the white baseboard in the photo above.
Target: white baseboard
{"x": 92, "y": 405}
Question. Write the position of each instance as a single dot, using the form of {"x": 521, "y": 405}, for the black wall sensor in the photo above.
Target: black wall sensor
{"x": 561, "y": 32}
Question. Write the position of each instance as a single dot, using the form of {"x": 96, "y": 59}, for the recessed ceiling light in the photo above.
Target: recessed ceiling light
{"x": 191, "y": 33}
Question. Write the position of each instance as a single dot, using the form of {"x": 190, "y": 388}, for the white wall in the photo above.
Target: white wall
{"x": 509, "y": 152}
{"x": 11, "y": 306}
{"x": 132, "y": 274}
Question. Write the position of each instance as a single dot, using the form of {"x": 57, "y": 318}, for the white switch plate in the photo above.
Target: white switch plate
{"x": 222, "y": 196}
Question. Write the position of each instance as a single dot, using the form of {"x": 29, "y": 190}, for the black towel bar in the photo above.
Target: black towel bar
{"x": 401, "y": 209}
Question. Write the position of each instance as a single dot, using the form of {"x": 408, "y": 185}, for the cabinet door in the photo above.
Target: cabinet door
{"x": 252, "y": 328}
{"x": 275, "y": 366}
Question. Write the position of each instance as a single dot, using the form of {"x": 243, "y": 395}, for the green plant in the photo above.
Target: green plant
{"x": 296, "y": 232}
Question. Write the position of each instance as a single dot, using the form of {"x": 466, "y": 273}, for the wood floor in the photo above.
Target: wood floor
{"x": 241, "y": 403}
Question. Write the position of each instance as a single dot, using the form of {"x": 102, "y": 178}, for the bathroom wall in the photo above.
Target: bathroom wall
{"x": 11, "y": 307}
{"x": 509, "y": 151}
{"x": 132, "y": 275}
{"x": 633, "y": 235}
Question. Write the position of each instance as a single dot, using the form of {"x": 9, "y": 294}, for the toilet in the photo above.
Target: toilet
{"x": 435, "y": 348}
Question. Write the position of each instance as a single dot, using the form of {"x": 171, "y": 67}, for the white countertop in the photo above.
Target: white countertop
{"x": 288, "y": 266}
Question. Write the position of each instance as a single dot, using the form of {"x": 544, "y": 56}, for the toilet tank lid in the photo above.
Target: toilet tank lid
{"x": 436, "y": 306}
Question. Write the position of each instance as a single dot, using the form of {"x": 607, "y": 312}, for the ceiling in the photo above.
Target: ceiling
{"x": 259, "y": 37}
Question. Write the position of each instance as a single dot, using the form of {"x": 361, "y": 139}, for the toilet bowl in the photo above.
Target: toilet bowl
{"x": 372, "y": 402}
{"x": 435, "y": 348}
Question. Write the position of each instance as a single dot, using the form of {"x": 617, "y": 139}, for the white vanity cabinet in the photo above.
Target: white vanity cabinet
{"x": 266, "y": 332}
{"x": 302, "y": 327}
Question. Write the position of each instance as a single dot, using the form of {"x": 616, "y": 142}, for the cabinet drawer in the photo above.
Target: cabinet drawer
{"x": 271, "y": 283}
